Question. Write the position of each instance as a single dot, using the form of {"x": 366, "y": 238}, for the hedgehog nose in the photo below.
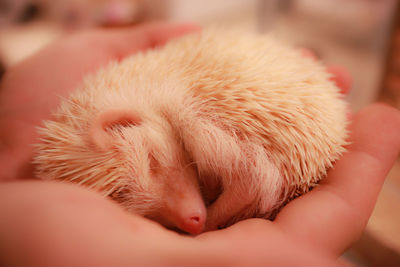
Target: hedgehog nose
{"x": 194, "y": 223}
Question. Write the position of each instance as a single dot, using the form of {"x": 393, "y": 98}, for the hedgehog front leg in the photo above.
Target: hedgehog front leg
{"x": 229, "y": 205}
{"x": 252, "y": 191}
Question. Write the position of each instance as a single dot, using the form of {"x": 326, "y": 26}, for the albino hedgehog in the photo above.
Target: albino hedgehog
{"x": 210, "y": 129}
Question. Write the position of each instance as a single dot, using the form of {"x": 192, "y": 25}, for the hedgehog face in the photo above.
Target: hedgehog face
{"x": 160, "y": 182}
{"x": 137, "y": 160}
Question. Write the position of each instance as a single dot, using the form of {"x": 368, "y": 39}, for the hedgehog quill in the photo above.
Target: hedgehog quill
{"x": 210, "y": 129}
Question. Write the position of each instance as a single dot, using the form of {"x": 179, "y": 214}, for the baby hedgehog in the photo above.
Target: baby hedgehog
{"x": 210, "y": 129}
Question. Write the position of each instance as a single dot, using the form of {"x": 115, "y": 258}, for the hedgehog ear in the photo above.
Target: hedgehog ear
{"x": 108, "y": 121}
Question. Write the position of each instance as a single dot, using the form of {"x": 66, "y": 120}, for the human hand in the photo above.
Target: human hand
{"x": 32, "y": 89}
{"x": 54, "y": 224}
{"x": 313, "y": 229}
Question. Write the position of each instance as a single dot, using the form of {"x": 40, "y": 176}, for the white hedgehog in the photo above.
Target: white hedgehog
{"x": 210, "y": 129}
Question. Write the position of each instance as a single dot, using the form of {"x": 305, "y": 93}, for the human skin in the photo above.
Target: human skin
{"x": 55, "y": 224}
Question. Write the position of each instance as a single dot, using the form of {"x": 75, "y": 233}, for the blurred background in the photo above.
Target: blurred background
{"x": 360, "y": 35}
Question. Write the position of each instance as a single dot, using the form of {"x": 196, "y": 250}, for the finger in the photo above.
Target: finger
{"x": 127, "y": 41}
{"x": 334, "y": 214}
{"x": 341, "y": 77}
{"x": 54, "y": 224}
{"x": 257, "y": 242}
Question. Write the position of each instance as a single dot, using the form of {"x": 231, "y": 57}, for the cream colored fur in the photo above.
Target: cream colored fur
{"x": 251, "y": 113}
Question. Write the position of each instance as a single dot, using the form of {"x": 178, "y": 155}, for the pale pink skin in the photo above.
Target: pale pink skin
{"x": 59, "y": 215}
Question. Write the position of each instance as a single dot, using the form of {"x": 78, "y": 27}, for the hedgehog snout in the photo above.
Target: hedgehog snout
{"x": 184, "y": 207}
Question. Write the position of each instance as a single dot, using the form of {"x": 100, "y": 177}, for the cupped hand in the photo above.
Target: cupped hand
{"x": 55, "y": 224}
